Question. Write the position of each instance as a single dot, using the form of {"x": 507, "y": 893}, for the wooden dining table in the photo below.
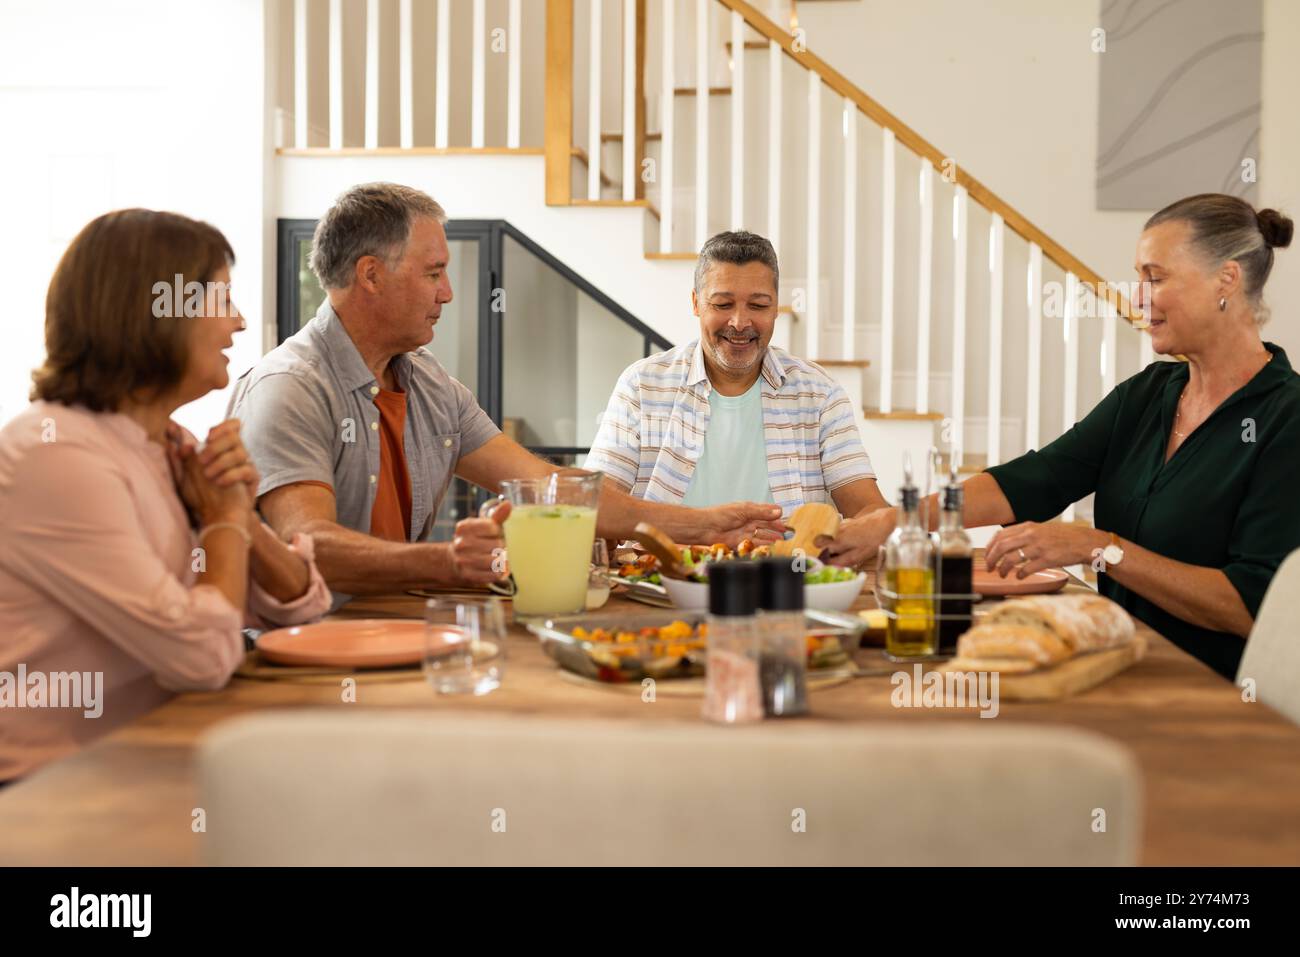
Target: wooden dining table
{"x": 1220, "y": 775}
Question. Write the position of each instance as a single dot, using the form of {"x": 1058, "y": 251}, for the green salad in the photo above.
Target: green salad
{"x": 825, "y": 575}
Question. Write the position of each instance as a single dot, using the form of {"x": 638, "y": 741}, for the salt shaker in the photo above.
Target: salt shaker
{"x": 733, "y": 693}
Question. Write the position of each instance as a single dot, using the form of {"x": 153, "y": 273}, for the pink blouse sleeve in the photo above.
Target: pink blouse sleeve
{"x": 313, "y": 603}
{"x": 71, "y": 530}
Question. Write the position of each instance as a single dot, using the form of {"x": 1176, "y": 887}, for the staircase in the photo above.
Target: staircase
{"x": 586, "y": 123}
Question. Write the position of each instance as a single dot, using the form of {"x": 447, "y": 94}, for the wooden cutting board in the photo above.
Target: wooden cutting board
{"x": 1071, "y": 677}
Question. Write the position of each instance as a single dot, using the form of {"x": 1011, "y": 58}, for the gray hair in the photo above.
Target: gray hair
{"x": 1228, "y": 228}
{"x": 373, "y": 219}
{"x": 737, "y": 248}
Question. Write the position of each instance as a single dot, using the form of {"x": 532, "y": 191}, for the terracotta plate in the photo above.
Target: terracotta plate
{"x": 990, "y": 583}
{"x": 358, "y": 643}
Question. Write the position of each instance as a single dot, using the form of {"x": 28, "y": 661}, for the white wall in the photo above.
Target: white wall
{"x": 156, "y": 103}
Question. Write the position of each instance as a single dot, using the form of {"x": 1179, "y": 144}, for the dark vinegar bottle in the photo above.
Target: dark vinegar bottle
{"x": 952, "y": 573}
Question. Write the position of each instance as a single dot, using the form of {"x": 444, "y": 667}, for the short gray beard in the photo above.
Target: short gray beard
{"x": 715, "y": 353}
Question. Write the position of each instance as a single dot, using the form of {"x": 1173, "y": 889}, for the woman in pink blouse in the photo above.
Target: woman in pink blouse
{"x": 130, "y": 560}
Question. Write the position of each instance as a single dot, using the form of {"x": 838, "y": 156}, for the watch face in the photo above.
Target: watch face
{"x": 1112, "y": 554}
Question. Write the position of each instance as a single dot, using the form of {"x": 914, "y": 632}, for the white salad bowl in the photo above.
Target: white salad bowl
{"x": 833, "y": 596}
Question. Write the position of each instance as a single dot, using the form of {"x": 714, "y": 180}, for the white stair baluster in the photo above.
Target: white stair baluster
{"x": 442, "y": 105}
{"x": 478, "y": 82}
{"x": 300, "y": 125}
{"x": 925, "y": 187}
{"x": 1033, "y": 365}
{"x": 405, "y": 82}
{"x": 666, "y": 126}
{"x": 514, "y": 90}
{"x": 702, "y": 121}
{"x": 629, "y": 100}
{"x": 737, "y": 120}
{"x": 372, "y": 74}
{"x": 336, "y": 75}
{"x": 812, "y": 342}
{"x": 997, "y": 235}
{"x": 960, "y": 208}
{"x": 1070, "y": 385}
{"x": 774, "y": 131}
{"x": 887, "y": 273}
{"x": 595, "y": 29}
{"x": 850, "y": 121}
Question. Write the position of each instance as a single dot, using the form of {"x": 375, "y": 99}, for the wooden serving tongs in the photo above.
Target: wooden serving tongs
{"x": 810, "y": 521}
{"x": 663, "y": 548}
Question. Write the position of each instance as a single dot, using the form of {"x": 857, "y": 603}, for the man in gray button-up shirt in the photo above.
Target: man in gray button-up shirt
{"x": 312, "y": 420}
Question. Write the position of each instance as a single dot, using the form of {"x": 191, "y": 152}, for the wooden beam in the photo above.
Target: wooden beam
{"x": 559, "y": 102}
{"x": 414, "y": 151}
{"x": 639, "y": 155}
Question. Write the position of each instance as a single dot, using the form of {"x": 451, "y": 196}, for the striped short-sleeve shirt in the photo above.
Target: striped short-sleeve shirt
{"x": 652, "y": 432}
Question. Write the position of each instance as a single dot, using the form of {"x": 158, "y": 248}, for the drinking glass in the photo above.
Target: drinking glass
{"x": 464, "y": 645}
{"x": 598, "y": 582}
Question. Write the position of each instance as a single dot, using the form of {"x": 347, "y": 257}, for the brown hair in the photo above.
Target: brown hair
{"x": 103, "y": 342}
{"x": 1228, "y": 228}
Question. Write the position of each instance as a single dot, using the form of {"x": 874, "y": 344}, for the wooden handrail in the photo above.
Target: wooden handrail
{"x": 923, "y": 147}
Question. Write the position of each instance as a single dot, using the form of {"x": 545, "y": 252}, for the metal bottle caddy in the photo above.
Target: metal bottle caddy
{"x": 886, "y": 599}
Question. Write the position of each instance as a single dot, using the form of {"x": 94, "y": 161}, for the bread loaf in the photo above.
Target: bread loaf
{"x": 1084, "y": 622}
{"x": 1026, "y": 642}
{"x": 1025, "y": 634}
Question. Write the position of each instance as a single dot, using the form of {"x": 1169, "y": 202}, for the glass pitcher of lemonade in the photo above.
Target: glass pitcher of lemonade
{"x": 549, "y": 535}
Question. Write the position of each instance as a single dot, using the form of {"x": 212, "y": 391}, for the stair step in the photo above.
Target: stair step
{"x": 970, "y": 464}
{"x": 643, "y": 203}
{"x": 904, "y": 415}
{"x": 713, "y": 91}
{"x": 618, "y": 137}
{"x": 844, "y": 363}
{"x": 675, "y": 257}
{"x": 749, "y": 45}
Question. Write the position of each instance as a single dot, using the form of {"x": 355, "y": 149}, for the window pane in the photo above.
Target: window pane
{"x": 310, "y": 294}
{"x": 563, "y": 353}
{"x": 455, "y": 337}
{"x": 455, "y": 344}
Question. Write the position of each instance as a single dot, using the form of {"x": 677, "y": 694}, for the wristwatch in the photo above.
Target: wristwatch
{"x": 1112, "y": 554}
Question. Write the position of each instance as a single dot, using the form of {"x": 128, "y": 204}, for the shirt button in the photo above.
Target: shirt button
{"x": 447, "y": 443}
{"x": 373, "y": 480}
{"x": 374, "y": 426}
{"x": 374, "y": 390}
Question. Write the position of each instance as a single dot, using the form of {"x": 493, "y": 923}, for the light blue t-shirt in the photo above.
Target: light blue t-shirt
{"x": 733, "y": 463}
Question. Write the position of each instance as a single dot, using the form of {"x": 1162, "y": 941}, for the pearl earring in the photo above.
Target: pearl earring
{"x": 1223, "y": 305}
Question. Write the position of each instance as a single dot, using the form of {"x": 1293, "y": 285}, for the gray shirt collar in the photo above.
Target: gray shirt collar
{"x": 342, "y": 353}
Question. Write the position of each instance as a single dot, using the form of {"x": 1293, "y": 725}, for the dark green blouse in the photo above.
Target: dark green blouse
{"x": 1229, "y": 498}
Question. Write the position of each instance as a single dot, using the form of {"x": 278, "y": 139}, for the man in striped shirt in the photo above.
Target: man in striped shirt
{"x": 729, "y": 417}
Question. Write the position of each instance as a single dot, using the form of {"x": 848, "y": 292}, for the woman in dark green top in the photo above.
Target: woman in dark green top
{"x": 1194, "y": 464}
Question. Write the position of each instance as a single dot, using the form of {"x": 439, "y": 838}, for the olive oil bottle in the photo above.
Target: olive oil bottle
{"x": 909, "y": 574}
